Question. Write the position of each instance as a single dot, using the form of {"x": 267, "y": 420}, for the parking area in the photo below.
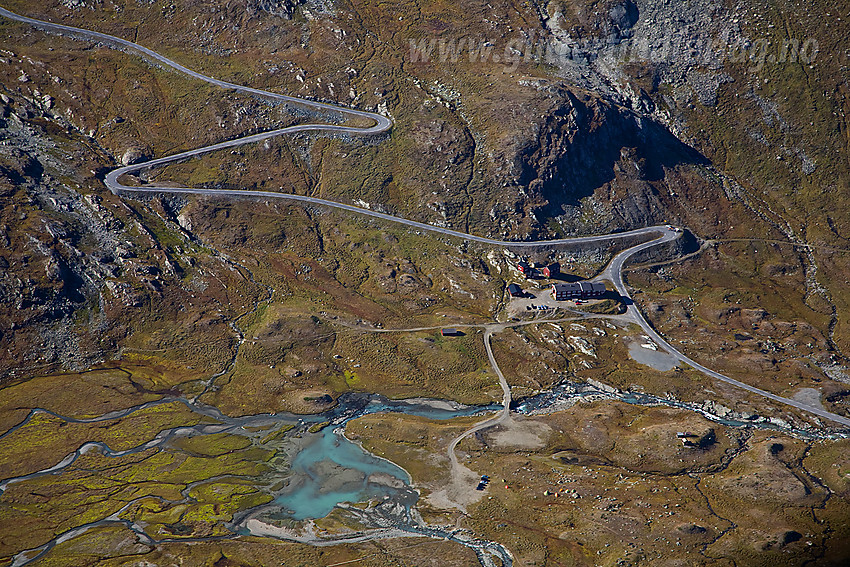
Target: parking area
{"x": 539, "y": 299}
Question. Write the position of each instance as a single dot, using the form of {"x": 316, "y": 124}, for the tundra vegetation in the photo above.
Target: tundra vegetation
{"x": 260, "y": 307}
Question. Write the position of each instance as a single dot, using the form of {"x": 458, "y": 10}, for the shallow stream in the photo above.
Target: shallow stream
{"x": 320, "y": 469}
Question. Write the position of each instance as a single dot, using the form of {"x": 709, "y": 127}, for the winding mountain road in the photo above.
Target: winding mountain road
{"x": 614, "y": 273}
{"x": 382, "y": 124}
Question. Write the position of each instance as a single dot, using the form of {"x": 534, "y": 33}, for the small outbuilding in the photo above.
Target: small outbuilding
{"x": 525, "y": 269}
{"x": 450, "y": 332}
{"x": 515, "y": 290}
{"x": 552, "y": 270}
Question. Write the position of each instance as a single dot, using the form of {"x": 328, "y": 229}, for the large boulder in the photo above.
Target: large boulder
{"x": 133, "y": 155}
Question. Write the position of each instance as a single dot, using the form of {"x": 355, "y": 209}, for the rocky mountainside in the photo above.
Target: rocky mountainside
{"x": 558, "y": 118}
{"x": 484, "y": 145}
{"x": 82, "y": 270}
{"x": 520, "y": 121}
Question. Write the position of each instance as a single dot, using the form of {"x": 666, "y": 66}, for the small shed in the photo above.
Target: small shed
{"x": 450, "y": 332}
{"x": 515, "y": 290}
{"x": 552, "y": 270}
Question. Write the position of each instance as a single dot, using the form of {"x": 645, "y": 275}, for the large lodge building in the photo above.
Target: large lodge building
{"x": 577, "y": 290}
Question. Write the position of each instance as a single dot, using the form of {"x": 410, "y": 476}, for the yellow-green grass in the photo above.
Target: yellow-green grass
{"x": 45, "y": 440}
{"x": 96, "y": 486}
{"x": 213, "y": 445}
{"x": 92, "y": 393}
{"x": 109, "y": 546}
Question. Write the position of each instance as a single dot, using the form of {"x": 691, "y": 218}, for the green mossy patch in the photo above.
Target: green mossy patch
{"x": 212, "y": 445}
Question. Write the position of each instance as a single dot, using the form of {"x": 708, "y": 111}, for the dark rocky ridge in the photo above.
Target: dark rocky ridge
{"x": 76, "y": 268}
{"x": 280, "y": 8}
{"x": 589, "y": 144}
